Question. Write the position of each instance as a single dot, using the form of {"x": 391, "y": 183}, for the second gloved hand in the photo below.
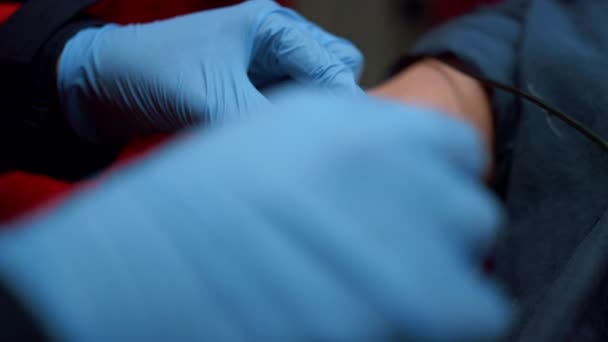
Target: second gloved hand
{"x": 325, "y": 220}
{"x": 118, "y": 81}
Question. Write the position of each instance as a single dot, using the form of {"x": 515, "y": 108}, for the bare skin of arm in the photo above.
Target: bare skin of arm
{"x": 434, "y": 84}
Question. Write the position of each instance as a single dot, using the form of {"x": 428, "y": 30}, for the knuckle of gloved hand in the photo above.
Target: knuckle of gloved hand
{"x": 439, "y": 131}
{"x": 465, "y": 135}
{"x": 476, "y": 218}
{"x": 348, "y": 53}
{"x": 441, "y": 139}
{"x": 491, "y": 216}
{"x": 377, "y": 148}
{"x": 331, "y": 75}
{"x": 270, "y": 17}
{"x": 273, "y": 34}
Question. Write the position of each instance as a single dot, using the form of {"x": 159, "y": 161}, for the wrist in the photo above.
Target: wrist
{"x": 435, "y": 84}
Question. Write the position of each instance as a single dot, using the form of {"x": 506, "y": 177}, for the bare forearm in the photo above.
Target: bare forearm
{"x": 433, "y": 83}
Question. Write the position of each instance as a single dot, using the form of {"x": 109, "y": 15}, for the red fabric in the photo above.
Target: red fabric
{"x": 444, "y": 10}
{"x": 121, "y": 11}
{"x": 20, "y": 192}
{"x": 6, "y": 10}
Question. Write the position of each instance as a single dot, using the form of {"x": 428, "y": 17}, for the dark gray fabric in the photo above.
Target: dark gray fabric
{"x": 557, "y": 185}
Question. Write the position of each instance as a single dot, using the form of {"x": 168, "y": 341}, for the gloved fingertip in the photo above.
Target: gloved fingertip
{"x": 491, "y": 313}
{"x": 352, "y": 57}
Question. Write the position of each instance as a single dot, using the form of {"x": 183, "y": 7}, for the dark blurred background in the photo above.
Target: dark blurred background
{"x": 383, "y": 29}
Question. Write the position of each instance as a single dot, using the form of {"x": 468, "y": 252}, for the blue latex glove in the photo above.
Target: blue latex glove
{"x": 332, "y": 220}
{"x": 117, "y": 81}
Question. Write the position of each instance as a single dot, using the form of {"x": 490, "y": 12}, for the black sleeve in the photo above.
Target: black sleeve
{"x": 15, "y": 323}
{"x": 33, "y": 133}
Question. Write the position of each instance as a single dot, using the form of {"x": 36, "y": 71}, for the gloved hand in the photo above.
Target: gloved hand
{"x": 118, "y": 81}
{"x": 332, "y": 220}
